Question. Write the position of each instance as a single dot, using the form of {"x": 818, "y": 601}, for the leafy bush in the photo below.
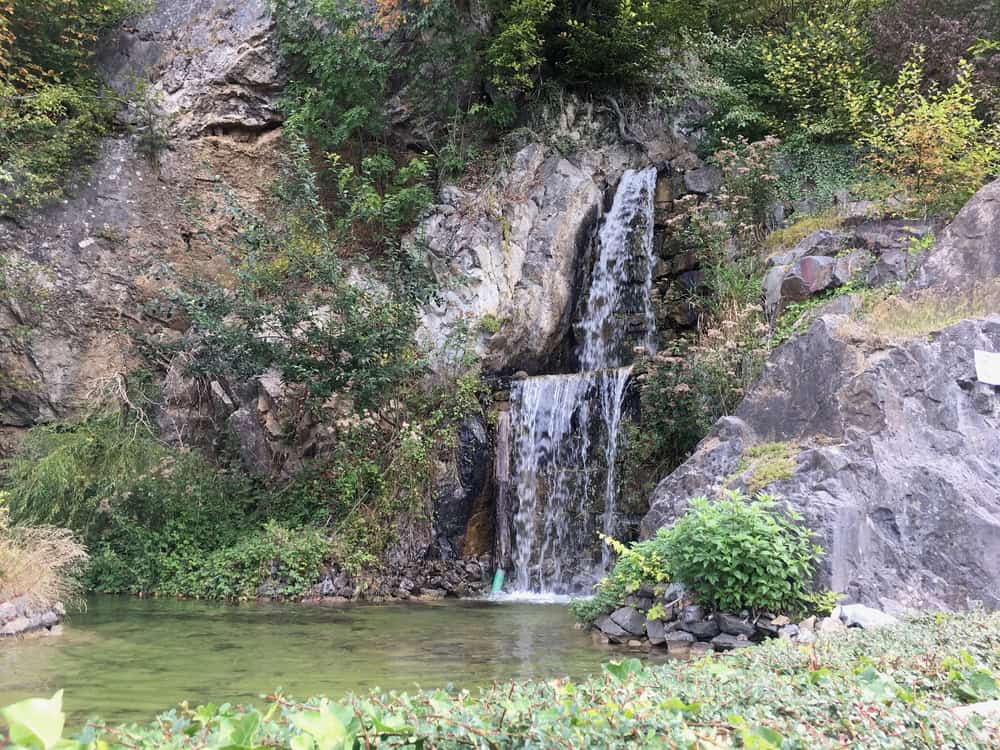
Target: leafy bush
{"x": 813, "y": 64}
{"x": 516, "y": 53}
{"x": 732, "y": 554}
{"x": 730, "y": 74}
{"x": 606, "y": 45}
{"x": 350, "y": 62}
{"x": 638, "y": 564}
{"x": 929, "y": 141}
{"x": 894, "y": 687}
{"x": 293, "y": 306}
{"x": 69, "y": 474}
{"x": 817, "y": 171}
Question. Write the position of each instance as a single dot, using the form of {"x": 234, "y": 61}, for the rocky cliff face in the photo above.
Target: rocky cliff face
{"x": 91, "y": 269}
{"x": 897, "y": 463}
{"x": 511, "y": 256}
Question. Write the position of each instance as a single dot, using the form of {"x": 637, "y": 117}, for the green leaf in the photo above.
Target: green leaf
{"x": 620, "y": 670}
{"x": 36, "y": 722}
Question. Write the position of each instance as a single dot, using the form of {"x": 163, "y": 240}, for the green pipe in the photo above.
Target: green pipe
{"x": 498, "y": 581}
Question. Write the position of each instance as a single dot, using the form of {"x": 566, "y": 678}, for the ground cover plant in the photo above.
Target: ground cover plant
{"x": 904, "y": 686}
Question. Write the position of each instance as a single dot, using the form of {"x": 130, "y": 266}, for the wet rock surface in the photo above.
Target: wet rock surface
{"x": 427, "y": 580}
{"x": 19, "y": 617}
{"x": 691, "y": 630}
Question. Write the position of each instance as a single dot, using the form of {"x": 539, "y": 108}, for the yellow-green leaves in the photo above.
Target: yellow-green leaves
{"x": 36, "y": 723}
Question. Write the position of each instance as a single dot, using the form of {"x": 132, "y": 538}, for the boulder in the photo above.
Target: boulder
{"x": 734, "y": 625}
{"x": 610, "y": 628}
{"x": 807, "y": 276}
{"x": 826, "y": 242}
{"x": 899, "y": 463}
{"x": 830, "y": 625}
{"x": 960, "y": 257}
{"x": 693, "y": 613}
{"x": 679, "y": 636}
{"x": 728, "y": 642}
{"x": 860, "y": 616}
{"x": 630, "y": 620}
{"x": 701, "y": 629}
{"x": 655, "y": 632}
{"x": 703, "y": 180}
{"x": 788, "y": 632}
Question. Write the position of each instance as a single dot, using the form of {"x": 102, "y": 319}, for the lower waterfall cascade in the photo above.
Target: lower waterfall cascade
{"x": 565, "y": 430}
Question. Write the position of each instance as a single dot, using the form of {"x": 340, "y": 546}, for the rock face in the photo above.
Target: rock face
{"x": 511, "y": 256}
{"x": 92, "y": 268}
{"x": 898, "y": 465}
{"x": 898, "y": 444}
{"x": 214, "y": 65}
{"x": 962, "y": 255}
{"x": 880, "y": 251}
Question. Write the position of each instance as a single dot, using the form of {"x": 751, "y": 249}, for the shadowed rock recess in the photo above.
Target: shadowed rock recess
{"x": 896, "y": 442}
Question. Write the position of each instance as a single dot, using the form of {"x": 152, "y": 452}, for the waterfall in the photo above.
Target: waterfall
{"x": 565, "y": 429}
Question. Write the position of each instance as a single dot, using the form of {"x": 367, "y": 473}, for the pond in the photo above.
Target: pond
{"x": 126, "y": 659}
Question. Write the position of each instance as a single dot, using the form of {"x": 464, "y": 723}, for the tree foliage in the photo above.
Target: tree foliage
{"x": 929, "y": 141}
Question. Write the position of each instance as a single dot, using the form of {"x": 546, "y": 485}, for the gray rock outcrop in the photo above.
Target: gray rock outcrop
{"x": 93, "y": 267}
{"x": 897, "y": 444}
{"x": 19, "y": 617}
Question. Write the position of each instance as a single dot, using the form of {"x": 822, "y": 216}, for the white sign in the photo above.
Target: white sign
{"x": 988, "y": 367}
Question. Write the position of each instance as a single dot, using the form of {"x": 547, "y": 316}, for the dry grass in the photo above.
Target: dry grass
{"x": 785, "y": 238}
{"x": 929, "y": 311}
{"x": 40, "y": 563}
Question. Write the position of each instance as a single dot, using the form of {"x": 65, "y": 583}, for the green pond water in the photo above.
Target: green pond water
{"x": 126, "y": 659}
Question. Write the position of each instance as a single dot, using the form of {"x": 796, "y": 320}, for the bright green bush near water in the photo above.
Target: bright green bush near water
{"x": 730, "y": 554}
{"x": 892, "y": 688}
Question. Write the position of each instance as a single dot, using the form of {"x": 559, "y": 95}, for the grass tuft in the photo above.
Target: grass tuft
{"x": 41, "y": 564}
{"x": 907, "y": 317}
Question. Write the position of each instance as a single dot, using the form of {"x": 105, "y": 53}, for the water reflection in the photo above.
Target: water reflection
{"x": 126, "y": 659}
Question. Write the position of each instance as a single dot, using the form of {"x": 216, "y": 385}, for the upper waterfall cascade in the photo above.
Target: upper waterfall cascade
{"x": 566, "y": 429}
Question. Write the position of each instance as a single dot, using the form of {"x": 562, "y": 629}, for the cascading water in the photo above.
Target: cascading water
{"x": 565, "y": 429}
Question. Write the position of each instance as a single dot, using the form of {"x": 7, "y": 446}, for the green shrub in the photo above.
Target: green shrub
{"x": 814, "y": 64}
{"x": 70, "y": 474}
{"x": 930, "y": 142}
{"x": 642, "y": 563}
{"x": 293, "y": 306}
{"x": 288, "y": 559}
{"x": 732, "y": 554}
{"x": 516, "y": 53}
